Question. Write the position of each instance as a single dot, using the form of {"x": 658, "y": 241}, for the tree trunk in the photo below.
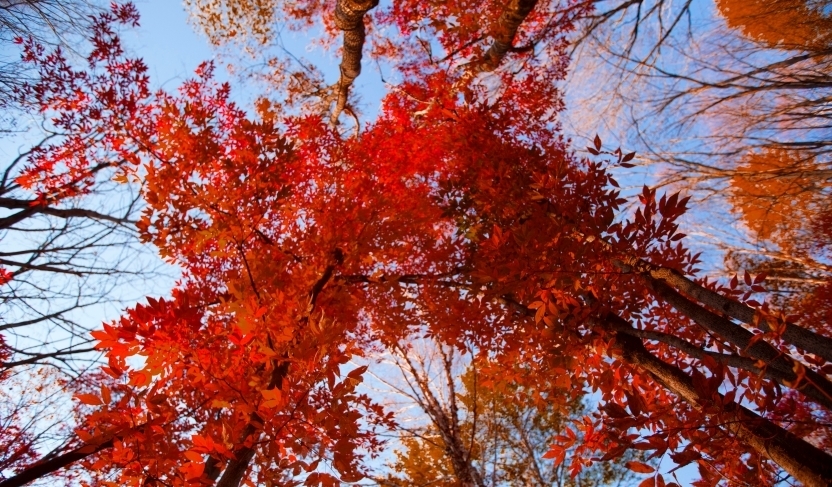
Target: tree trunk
{"x": 508, "y": 25}
{"x": 813, "y": 385}
{"x": 794, "y": 334}
{"x": 349, "y": 17}
{"x": 233, "y": 474}
{"x": 803, "y": 461}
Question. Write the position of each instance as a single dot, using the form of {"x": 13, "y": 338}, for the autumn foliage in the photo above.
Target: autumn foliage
{"x": 786, "y": 24}
{"x": 460, "y": 209}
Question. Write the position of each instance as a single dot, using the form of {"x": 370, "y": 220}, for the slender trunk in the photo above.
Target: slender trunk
{"x": 811, "y": 384}
{"x": 234, "y": 471}
{"x": 803, "y": 461}
{"x": 446, "y": 423}
{"x": 31, "y": 207}
{"x": 793, "y": 334}
{"x": 349, "y": 17}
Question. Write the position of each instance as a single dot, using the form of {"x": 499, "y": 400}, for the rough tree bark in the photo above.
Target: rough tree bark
{"x": 813, "y": 385}
{"x": 513, "y": 16}
{"x": 349, "y": 17}
{"x": 794, "y": 334}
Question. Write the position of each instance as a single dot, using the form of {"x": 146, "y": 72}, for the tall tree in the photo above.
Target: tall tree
{"x": 731, "y": 65}
{"x": 469, "y": 41}
{"x": 781, "y": 200}
{"x": 70, "y": 249}
{"x": 707, "y": 91}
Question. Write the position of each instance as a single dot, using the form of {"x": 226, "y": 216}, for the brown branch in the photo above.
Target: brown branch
{"x": 40, "y": 470}
{"x": 42, "y": 356}
{"x": 504, "y": 33}
{"x": 31, "y": 207}
{"x": 24, "y": 266}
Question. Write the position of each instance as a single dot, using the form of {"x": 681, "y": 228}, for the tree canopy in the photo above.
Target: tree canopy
{"x": 461, "y": 210}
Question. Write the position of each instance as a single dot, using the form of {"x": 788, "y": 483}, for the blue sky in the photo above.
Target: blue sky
{"x": 169, "y": 46}
{"x": 172, "y": 49}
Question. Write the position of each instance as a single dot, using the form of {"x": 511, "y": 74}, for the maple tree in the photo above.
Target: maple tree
{"x": 476, "y": 37}
{"x": 781, "y": 202}
{"x": 755, "y": 70}
{"x": 460, "y": 208}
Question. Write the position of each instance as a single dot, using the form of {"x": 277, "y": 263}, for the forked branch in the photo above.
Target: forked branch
{"x": 503, "y": 34}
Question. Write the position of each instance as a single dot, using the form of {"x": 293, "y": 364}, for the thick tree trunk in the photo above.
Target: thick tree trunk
{"x": 233, "y": 474}
{"x": 812, "y": 385}
{"x": 803, "y": 461}
{"x": 697, "y": 352}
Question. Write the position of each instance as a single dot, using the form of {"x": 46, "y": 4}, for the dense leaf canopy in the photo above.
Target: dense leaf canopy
{"x": 461, "y": 211}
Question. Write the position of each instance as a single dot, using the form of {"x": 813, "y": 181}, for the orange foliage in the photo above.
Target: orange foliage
{"x": 787, "y": 24}
{"x": 504, "y": 435}
{"x": 776, "y": 193}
